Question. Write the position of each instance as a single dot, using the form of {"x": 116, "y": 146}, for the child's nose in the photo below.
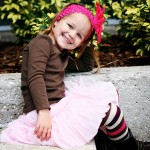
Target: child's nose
{"x": 73, "y": 34}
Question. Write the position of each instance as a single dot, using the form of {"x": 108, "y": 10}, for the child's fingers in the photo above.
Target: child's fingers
{"x": 39, "y": 132}
{"x": 44, "y": 133}
{"x": 36, "y": 129}
{"x": 48, "y": 134}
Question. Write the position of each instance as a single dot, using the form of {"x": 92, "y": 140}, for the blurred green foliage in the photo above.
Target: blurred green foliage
{"x": 134, "y": 23}
{"x": 30, "y": 16}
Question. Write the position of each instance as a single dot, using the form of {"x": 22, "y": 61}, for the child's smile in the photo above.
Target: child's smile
{"x": 67, "y": 38}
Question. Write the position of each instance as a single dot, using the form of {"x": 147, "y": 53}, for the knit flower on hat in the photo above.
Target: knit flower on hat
{"x": 99, "y": 19}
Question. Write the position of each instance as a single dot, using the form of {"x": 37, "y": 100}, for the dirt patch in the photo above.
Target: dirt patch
{"x": 115, "y": 51}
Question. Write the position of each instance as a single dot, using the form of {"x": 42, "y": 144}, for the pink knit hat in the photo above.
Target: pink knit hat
{"x": 96, "y": 21}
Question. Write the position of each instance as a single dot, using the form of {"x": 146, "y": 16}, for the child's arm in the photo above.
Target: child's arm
{"x": 83, "y": 64}
{"x": 39, "y": 52}
{"x": 43, "y": 125}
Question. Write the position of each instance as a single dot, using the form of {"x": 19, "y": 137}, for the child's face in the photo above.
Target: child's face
{"x": 70, "y": 31}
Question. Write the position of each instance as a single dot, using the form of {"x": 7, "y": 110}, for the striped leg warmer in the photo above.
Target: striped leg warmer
{"x": 115, "y": 124}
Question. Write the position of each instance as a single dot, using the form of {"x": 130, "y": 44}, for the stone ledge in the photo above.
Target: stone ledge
{"x": 133, "y": 84}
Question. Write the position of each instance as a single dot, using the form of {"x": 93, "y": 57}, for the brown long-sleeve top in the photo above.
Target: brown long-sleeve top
{"x": 42, "y": 73}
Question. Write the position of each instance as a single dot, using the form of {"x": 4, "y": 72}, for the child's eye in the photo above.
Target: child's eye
{"x": 70, "y": 26}
{"x": 79, "y": 35}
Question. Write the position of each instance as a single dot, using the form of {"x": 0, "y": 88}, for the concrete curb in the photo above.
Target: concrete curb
{"x": 133, "y": 84}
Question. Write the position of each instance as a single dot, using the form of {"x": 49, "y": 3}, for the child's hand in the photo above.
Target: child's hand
{"x": 43, "y": 125}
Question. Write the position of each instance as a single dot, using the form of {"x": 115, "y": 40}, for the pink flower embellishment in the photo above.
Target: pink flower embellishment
{"x": 99, "y": 19}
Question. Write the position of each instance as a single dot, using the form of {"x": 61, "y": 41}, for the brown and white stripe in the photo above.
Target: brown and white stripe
{"x": 116, "y": 127}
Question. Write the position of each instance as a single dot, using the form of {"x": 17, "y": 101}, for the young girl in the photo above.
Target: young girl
{"x": 67, "y": 117}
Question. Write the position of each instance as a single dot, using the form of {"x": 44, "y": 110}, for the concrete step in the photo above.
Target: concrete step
{"x": 133, "y": 84}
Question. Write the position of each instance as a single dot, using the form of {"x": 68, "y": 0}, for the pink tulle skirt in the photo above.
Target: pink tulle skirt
{"x": 75, "y": 119}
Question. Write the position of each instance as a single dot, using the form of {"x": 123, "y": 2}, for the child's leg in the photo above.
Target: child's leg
{"x": 119, "y": 135}
{"x": 115, "y": 124}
